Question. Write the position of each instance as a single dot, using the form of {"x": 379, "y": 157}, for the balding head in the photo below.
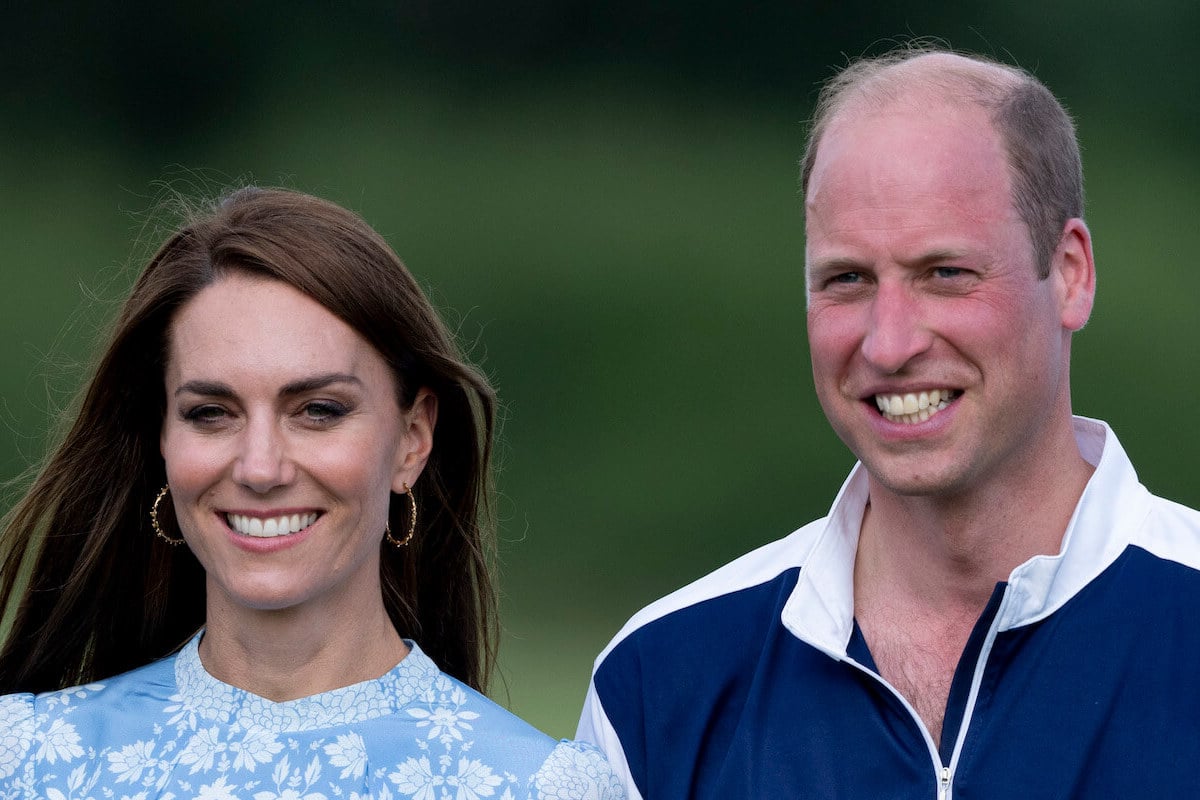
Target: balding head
{"x": 1036, "y": 131}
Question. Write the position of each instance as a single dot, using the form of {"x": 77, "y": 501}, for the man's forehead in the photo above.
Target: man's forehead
{"x": 918, "y": 102}
{"x": 915, "y": 166}
{"x": 906, "y": 140}
{"x": 944, "y": 77}
{"x": 932, "y": 85}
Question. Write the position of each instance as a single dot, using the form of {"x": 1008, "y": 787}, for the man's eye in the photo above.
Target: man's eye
{"x": 847, "y": 277}
{"x": 948, "y": 272}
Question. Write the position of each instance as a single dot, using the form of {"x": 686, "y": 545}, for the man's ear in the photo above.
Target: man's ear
{"x": 416, "y": 442}
{"x": 1073, "y": 270}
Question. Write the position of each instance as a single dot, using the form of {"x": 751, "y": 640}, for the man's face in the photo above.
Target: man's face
{"x": 938, "y": 356}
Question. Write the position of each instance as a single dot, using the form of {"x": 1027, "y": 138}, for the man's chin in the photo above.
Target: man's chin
{"x": 917, "y": 476}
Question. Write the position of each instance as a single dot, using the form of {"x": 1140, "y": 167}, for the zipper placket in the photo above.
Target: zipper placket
{"x": 945, "y": 772}
{"x": 941, "y": 770}
{"x": 973, "y": 696}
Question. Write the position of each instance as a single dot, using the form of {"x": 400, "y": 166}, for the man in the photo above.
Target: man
{"x": 994, "y": 606}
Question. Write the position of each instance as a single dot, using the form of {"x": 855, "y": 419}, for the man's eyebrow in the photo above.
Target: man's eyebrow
{"x": 837, "y": 264}
{"x": 941, "y": 254}
{"x": 216, "y": 389}
{"x": 852, "y": 264}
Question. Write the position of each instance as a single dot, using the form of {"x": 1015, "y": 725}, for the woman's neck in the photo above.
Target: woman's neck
{"x": 299, "y": 652}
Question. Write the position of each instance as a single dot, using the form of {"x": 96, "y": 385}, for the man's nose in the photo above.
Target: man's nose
{"x": 896, "y": 329}
{"x": 262, "y": 462}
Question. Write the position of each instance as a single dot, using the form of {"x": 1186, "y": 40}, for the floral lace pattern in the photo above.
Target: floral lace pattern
{"x": 170, "y": 730}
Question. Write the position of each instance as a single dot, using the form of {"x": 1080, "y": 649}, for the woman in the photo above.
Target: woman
{"x": 280, "y": 465}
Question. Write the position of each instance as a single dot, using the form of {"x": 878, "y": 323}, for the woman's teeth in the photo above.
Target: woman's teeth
{"x": 909, "y": 409}
{"x": 270, "y": 526}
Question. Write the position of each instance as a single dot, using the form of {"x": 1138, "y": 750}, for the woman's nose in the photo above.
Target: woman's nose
{"x": 262, "y": 463}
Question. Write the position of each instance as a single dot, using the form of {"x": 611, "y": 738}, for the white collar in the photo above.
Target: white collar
{"x": 1107, "y": 518}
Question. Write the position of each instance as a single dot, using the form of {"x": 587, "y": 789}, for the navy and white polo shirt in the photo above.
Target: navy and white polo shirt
{"x": 1080, "y": 680}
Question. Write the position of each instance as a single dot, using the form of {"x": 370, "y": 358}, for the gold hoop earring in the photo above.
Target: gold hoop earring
{"x": 154, "y": 518}
{"x": 412, "y": 522}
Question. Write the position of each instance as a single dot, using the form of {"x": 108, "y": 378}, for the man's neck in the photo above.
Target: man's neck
{"x": 953, "y": 550}
{"x": 927, "y": 566}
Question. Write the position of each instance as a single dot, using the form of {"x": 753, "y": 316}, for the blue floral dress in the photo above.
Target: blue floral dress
{"x": 170, "y": 730}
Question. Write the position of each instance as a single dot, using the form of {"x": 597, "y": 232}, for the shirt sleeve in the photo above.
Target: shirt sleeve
{"x": 576, "y": 771}
{"x": 16, "y": 745}
{"x": 596, "y": 730}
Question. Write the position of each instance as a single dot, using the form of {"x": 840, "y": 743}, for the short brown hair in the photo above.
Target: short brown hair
{"x": 1036, "y": 130}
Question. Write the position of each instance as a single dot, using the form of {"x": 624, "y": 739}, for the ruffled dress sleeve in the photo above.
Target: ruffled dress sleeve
{"x": 16, "y": 746}
{"x": 576, "y": 771}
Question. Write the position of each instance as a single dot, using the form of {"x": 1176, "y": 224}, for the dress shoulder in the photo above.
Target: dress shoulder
{"x": 576, "y": 771}
{"x": 172, "y": 731}
{"x": 16, "y": 740}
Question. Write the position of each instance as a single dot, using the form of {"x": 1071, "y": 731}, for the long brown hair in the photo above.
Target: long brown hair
{"x": 89, "y": 588}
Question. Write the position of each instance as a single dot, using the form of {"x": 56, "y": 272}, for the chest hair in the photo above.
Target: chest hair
{"x": 917, "y": 654}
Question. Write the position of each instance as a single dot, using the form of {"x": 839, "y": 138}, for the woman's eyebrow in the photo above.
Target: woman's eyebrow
{"x": 206, "y": 388}
{"x": 318, "y": 382}
{"x": 217, "y": 389}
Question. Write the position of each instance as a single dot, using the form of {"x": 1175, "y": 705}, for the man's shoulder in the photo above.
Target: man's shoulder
{"x": 755, "y": 578}
{"x": 699, "y": 647}
{"x": 1171, "y": 531}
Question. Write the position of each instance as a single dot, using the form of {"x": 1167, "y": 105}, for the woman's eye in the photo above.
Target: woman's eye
{"x": 323, "y": 411}
{"x": 205, "y": 414}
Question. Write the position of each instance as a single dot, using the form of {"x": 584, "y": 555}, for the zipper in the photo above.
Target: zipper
{"x": 972, "y": 696}
{"x": 941, "y": 770}
{"x": 944, "y": 772}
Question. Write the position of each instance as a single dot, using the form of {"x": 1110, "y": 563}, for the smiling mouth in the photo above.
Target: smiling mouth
{"x": 268, "y": 527}
{"x": 914, "y": 407}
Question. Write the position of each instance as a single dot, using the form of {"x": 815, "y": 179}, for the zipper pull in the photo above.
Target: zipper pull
{"x": 944, "y": 784}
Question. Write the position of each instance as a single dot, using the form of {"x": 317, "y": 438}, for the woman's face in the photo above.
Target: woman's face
{"x": 283, "y": 439}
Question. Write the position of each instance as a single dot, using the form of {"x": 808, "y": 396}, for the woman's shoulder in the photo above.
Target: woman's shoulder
{"x": 41, "y": 711}
{"x": 471, "y": 738}
{"x": 150, "y": 682}
{"x": 576, "y": 770}
{"x": 50, "y": 726}
{"x": 16, "y": 732}
{"x": 449, "y": 710}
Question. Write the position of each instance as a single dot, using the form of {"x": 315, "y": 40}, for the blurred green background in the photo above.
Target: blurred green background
{"x": 603, "y": 199}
